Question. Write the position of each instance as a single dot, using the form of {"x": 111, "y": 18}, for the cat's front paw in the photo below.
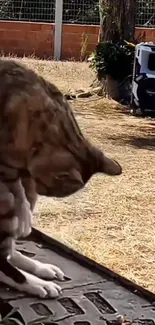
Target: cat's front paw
{"x": 48, "y": 271}
{"x": 33, "y": 285}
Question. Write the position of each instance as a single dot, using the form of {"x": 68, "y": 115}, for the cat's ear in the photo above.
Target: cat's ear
{"x": 110, "y": 166}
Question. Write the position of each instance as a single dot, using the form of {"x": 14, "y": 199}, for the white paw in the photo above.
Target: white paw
{"x": 48, "y": 271}
{"x": 39, "y": 287}
{"x": 34, "y": 286}
{"x": 47, "y": 289}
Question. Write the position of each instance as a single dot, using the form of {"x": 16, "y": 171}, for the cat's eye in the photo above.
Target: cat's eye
{"x": 62, "y": 176}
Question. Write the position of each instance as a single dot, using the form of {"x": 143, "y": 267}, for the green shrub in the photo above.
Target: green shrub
{"x": 114, "y": 59}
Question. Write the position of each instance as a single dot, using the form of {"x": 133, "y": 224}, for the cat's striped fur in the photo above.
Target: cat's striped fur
{"x": 42, "y": 151}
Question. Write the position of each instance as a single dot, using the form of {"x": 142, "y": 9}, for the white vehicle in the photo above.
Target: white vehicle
{"x": 143, "y": 83}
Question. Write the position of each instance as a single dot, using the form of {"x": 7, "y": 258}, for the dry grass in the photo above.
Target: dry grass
{"x": 112, "y": 219}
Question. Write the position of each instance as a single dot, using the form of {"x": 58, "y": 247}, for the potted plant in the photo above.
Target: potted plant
{"x": 113, "y": 62}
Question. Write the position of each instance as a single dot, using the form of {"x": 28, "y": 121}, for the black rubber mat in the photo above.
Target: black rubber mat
{"x": 92, "y": 294}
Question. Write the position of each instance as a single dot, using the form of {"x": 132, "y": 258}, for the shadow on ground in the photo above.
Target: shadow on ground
{"x": 140, "y": 137}
{"x": 142, "y": 142}
{"x": 137, "y": 142}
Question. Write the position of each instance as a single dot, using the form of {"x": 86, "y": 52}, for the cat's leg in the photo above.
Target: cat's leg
{"x": 30, "y": 188}
{"x": 24, "y": 195}
{"x": 22, "y": 208}
{"x": 25, "y": 199}
{"x": 35, "y": 272}
{"x": 9, "y": 274}
{"x": 8, "y": 222}
{"x": 42, "y": 270}
{"x": 31, "y": 284}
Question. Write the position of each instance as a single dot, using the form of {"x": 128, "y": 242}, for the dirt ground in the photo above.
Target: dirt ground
{"x": 112, "y": 220}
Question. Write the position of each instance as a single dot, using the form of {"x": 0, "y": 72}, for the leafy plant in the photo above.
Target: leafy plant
{"x": 114, "y": 59}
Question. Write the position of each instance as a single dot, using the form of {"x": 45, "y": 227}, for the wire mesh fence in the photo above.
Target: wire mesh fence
{"x": 28, "y": 10}
{"x": 81, "y": 12}
{"x": 145, "y": 16}
{"x": 74, "y": 11}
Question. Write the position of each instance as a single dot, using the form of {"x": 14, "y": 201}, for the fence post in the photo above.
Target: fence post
{"x": 58, "y": 29}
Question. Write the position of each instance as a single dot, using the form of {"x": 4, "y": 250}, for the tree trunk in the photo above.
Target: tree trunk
{"x": 112, "y": 88}
{"x": 117, "y": 23}
{"x": 117, "y": 20}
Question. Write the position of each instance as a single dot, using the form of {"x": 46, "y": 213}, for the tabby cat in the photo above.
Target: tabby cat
{"x": 42, "y": 151}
